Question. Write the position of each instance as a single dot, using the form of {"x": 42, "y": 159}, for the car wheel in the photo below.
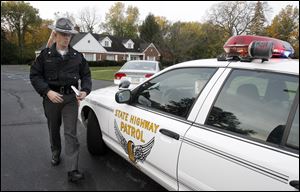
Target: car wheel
{"x": 95, "y": 143}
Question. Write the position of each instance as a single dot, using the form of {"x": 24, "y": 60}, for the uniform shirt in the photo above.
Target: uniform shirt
{"x": 50, "y": 69}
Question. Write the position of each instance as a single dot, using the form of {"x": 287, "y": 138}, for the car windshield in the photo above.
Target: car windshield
{"x": 149, "y": 66}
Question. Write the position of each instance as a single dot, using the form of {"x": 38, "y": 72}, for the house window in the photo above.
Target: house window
{"x": 129, "y": 45}
{"x": 106, "y": 44}
{"x": 151, "y": 58}
{"x": 90, "y": 56}
{"x": 134, "y": 57}
{"x": 110, "y": 57}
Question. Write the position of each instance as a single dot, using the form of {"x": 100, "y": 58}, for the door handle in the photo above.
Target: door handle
{"x": 170, "y": 133}
{"x": 295, "y": 183}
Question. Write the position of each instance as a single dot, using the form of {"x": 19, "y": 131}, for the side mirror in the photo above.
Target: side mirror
{"x": 123, "y": 96}
{"x": 124, "y": 84}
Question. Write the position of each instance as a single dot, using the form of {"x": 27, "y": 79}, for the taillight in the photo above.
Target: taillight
{"x": 148, "y": 75}
{"x": 119, "y": 75}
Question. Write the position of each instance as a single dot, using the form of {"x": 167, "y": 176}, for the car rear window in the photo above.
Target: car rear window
{"x": 149, "y": 66}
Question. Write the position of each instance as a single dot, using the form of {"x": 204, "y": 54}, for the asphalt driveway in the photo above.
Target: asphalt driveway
{"x": 25, "y": 147}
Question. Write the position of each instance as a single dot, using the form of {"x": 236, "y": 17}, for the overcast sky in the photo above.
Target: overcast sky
{"x": 173, "y": 11}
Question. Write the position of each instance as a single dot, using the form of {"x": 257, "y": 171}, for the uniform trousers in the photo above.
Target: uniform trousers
{"x": 66, "y": 112}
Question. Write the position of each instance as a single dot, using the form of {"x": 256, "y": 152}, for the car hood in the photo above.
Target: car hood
{"x": 104, "y": 97}
{"x": 106, "y": 94}
{"x": 107, "y": 91}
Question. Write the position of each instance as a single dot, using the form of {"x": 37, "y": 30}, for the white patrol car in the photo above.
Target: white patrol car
{"x": 231, "y": 124}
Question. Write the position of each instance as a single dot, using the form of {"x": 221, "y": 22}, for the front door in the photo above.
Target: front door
{"x": 150, "y": 129}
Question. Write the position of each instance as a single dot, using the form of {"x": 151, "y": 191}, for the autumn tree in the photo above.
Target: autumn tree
{"x": 162, "y": 40}
{"x": 285, "y": 23}
{"x": 121, "y": 22}
{"x": 285, "y": 26}
{"x": 38, "y": 36}
{"x": 212, "y": 39}
{"x": 182, "y": 39}
{"x": 164, "y": 25}
{"x": 19, "y": 17}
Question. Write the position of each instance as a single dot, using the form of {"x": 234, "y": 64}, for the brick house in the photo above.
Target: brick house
{"x": 98, "y": 47}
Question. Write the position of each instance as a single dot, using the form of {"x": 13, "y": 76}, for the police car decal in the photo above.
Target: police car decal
{"x": 135, "y": 152}
{"x": 133, "y": 126}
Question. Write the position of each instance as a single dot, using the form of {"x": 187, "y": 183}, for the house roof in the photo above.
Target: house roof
{"x": 76, "y": 38}
{"x": 117, "y": 43}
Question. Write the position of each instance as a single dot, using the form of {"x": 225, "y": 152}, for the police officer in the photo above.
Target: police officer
{"x": 52, "y": 74}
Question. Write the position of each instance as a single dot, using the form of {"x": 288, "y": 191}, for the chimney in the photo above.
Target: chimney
{"x": 77, "y": 28}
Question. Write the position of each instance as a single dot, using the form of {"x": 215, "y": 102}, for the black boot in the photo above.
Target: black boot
{"x": 74, "y": 176}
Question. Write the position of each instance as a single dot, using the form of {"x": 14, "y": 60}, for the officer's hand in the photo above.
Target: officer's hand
{"x": 81, "y": 96}
{"x": 55, "y": 97}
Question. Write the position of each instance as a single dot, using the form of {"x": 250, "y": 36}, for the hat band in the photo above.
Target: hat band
{"x": 63, "y": 28}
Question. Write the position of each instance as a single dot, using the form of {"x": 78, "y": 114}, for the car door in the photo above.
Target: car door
{"x": 149, "y": 130}
{"x": 246, "y": 135}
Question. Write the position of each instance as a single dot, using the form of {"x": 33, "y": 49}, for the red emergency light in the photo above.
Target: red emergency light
{"x": 241, "y": 45}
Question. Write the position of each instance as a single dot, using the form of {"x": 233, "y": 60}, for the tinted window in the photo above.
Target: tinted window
{"x": 150, "y": 66}
{"x": 174, "y": 91}
{"x": 293, "y": 139}
{"x": 254, "y": 104}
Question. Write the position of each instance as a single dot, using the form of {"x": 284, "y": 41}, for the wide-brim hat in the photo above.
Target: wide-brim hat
{"x": 63, "y": 25}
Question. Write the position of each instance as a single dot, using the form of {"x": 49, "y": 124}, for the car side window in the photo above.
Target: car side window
{"x": 293, "y": 138}
{"x": 173, "y": 92}
{"x": 254, "y": 104}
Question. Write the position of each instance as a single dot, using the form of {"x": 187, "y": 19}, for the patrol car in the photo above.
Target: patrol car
{"x": 230, "y": 123}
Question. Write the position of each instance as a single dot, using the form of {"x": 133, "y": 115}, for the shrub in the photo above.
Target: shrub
{"x": 105, "y": 63}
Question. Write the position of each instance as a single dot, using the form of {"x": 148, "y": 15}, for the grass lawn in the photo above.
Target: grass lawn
{"x": 103, "y": 73}
{"x": 98, "y": 73}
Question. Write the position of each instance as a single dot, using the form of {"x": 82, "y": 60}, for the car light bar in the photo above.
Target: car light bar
{"x": 250, "y": 47}
{"x": 260, "y": 49}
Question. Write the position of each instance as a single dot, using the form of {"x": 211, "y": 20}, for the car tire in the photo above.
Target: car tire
{"x": 95, "y": 143}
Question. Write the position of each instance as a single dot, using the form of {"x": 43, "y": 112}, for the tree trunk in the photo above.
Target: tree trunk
{"x": 20, "y": 59}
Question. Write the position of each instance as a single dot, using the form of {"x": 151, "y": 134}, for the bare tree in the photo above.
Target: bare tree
{"x": 234, "y": 17}
{"x": 89, "y": 19}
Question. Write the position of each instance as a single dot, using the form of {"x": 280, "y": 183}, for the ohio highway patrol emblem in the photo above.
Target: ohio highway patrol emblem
{"x": 135, "y": 152}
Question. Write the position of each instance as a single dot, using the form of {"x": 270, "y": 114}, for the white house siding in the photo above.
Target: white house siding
{"x": 88, "y": 44}
{"x": 103, "y": 42}
{"x": 129, "y": 42}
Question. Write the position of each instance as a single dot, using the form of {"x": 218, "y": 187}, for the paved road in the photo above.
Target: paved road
{"x": 25, "y": 148}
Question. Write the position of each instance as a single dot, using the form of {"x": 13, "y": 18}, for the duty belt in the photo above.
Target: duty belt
{"x": 62, "y": 89}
